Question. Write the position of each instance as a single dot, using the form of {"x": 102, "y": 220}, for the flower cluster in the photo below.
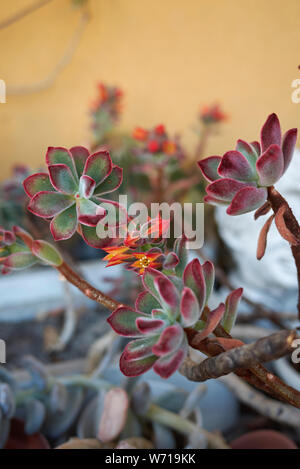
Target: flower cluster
{"x": 162, "y": 311}
{"x": 106, "y": 109}
{"x": 240, "y": 177}
{"x": 18, "y": 250}
{"x": 139, "y": 248}
{"x": 71, "y": 193}
{"x": 156, "y": 142}
{"x": 212, "y": 115}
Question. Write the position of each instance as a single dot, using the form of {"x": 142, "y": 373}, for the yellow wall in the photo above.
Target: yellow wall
{"x": 168, "y": 55}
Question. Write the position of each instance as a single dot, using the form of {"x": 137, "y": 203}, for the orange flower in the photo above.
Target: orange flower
{"x": 144, "y": 260}
{"x": 140, "y": 134}
{"x": 116, "y": 255}
{"x": 169, "y": 147}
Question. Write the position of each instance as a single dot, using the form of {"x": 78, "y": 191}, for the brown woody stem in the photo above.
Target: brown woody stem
{"x": 263, "y": 350}
{"x": 86, "y": 288}
{"x": 278, "y": 203}
{"x": 257, "y": 375}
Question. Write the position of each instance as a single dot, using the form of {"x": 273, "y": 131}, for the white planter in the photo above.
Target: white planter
{"x": 31, "y": 293}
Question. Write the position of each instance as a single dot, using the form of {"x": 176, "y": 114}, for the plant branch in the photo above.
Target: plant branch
{"x": 270, "y": 408}
{"x": 59, "y": 67}
{"x": 290, "y": 229}
{"x": 263, "y": 350}
{"x": 86, "y": 288}
{"x": 22, "y": 13}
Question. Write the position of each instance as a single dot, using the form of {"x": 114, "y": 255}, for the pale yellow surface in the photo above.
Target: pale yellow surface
{"x": 169, "y": 56}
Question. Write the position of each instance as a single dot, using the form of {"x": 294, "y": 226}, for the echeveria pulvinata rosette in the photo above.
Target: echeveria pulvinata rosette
{"x": 241, "y": 177}
{"x": 71, "y": 193}
{"x": 168, "y": 305}
{"x": 18, "y": 250}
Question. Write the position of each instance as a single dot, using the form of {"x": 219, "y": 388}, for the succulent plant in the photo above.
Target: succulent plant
{"x": 240, "y": 178}
{"x": 71, "y": 193}
{"x": 18, "y": 250}
{"x": 167, "y": 306}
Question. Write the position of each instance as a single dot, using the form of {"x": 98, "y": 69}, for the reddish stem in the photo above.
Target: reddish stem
{"x": 87, "y": 289}
{"x": 278, "y": 202}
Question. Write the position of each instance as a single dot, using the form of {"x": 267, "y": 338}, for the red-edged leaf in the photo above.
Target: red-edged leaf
{"x": 145, "y": 303}
{"x": 148, "y": 325}
{"x": 236, "y": 166}
{"x": 283, "y": 229}
{"x": 98, "y": 166}
{"x": 89, "y": 213}
{"x": 193, "y": 278}
{"x": 166, "y": 366}
{"x": 270, "y": 132}
{"x": 62, "y": 178}
{"x": 60, "y": 155}
{"x": 86, "y": 186}
{"x": 36, "y": 183}
{"x": 213, "y": 319}
{"x": 64, "y": 225}
{"x": 123, "y": 321}
{"x": 262, "y": 239}
{"x": 214, "y": 201}
{"x": 246, "y": 200}
{"x": 19, "y": 260}
{"x": 80, "y": 155}
{"x": 112, "y": 182}
{"x": 224, "y": 189}
{"x": 263, "y": 210}
{"x": 170, "y": 339}
{"x": 116, "y": 214}
{"x": 168, "y": 293}
{"x": 7, "y": 238}
{"x": 288, "y": 146}
{"x": 209, "y": 277}
{"x": 225, "y": 344}
{"x": 114, "y": 415}
{"x": 137, "y": 367}
{"x": 23, "y": 235}
{"x": 140, "y": 348}
{"x": 89, "y": 234}
{"x": 46, "y": 253}
{"x": 232, "y": 303}
{"x": 189, "y": 307}
{"x": 47, "y": 204}
{"x": 270, "y": 166}
{"x": 209, "y": 167}
{"x": 248, "y": 150}
{"x": 256, "y": 146}
{"x": 171, "y": 261}
{"x": 148, "y": 281}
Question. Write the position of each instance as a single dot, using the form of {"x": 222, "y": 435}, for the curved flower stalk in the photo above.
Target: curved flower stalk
{"x": 106, "y": 110}
{"x": 167, "y": 306}
{"x": 71, "y": 193}
{"x": 18, "y": 250}
{"x": 240, "y": 178}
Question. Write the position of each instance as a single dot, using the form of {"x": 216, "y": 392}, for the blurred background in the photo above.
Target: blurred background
{"x": 168, "y": 57}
